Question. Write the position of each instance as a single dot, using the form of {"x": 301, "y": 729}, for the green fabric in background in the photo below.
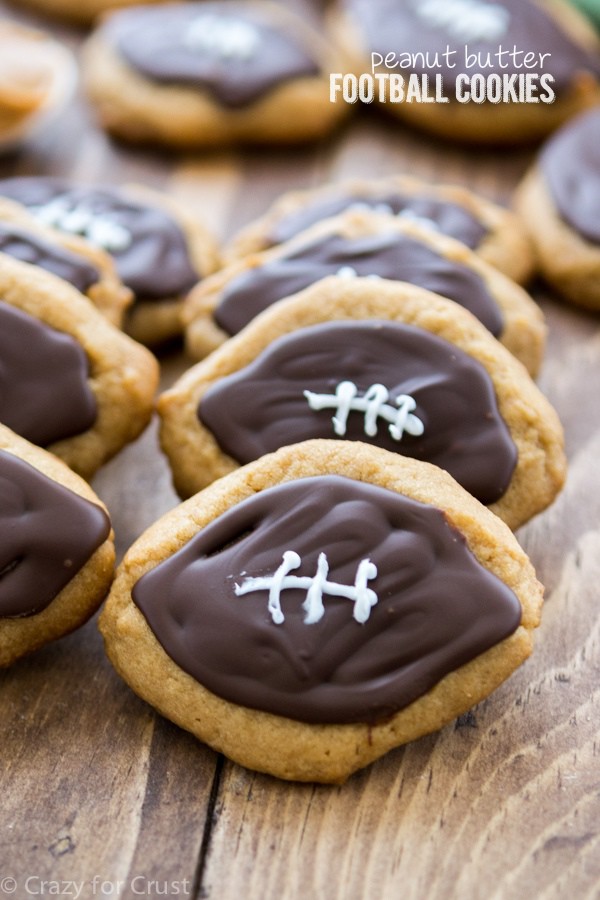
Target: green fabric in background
{"x": 591, "y": 8}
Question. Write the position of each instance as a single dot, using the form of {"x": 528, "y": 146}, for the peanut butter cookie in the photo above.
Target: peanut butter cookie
{"x": 56, "y": 549}
{"x": 70, "y": 381}
{"x": 369, "y": 245}
{"x": 312, "y": 610}
{"x": 160, "y": 250}
{"x": 494, "y": 233}
{"x": 374, "y": 361}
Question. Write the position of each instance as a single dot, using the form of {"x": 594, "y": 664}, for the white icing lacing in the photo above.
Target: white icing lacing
{"x": 363, "y": 597}
{"x": 97, "y": 229}
{"x": 362, "y": 206}
{"x": 467, "y": 20}
{"x": 347, "y": 272}
{"x": 374, "y": 404}
{"x": 385, "y": 209}
{"x": 222, "y": 37}
{"x": 350, "y": 272}
{"x": 411, "y": 216}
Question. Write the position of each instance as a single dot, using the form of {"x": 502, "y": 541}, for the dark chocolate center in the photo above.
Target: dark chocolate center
{"x": 449, "y": 218}
{"x": 437, "y": 607}
{"x": 386, "y": 255}
{"x": 263, "y": 406}
{"x": 570, "y": 165}
{"x": 148, "y": 246}
{"x": 33, "y": 249}
{"x": 47, "y": 534}
{"x": 44, "y": 391}
{"x": 235, "y": 52}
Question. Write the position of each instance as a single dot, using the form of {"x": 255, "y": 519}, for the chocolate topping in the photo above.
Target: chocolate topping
{"x": 47, "y": 534}
{"x": 236, "y": 53}
{"x": 148, "y": 246}
{"x": 449, "y": 218}
{"x": 388, "y": 255}
{"x": 44, "y": 392}
{"x": 570, "y": 164}
{"x": 474, "y": 26}
{"x": 437, "y": 608}
{"x": 31, "y": 248}
{"x": 262, "y": 407}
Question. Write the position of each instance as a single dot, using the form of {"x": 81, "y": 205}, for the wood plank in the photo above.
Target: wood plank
{"x": 88, "y": 768}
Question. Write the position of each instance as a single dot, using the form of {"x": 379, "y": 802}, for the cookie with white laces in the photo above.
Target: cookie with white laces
{"x": 364, "y": 244}
{"x": 494, "y": 233}
{"x": 316, "y": 608}
{"x": 198, "y": 75}
{"x": 373, "y": 361}
{"x": 87, "y": 268}
{"x": 159, "y": 249}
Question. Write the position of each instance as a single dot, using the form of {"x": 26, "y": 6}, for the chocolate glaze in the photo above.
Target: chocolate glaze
{"x": 394, "y": 26}
{"x": 44, "y": 392}
{"x": 570, "y": 165}
{"x": 449, "y": 218}
{"x": 438, "y": 607}
{"x": 262, "y": 407}
{"x": 153, "y": 41}
{"x": 388, "y": 255}
{"x": 47, "y": 534}
{"x": 156, "y": 264}
{"x": 31, "y": 248}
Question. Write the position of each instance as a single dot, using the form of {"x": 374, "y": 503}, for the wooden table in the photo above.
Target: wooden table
{"x": 102, "y": 797}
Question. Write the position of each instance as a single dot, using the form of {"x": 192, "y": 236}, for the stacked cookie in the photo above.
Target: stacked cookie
{"x": 361, "y": 404}
{"x": 78, "y": 263}
{"x": 354, "y": 417}
{"x": 272, "y": 320}
{"x": 74, "y": 389}
{"x": 159, "y": 251}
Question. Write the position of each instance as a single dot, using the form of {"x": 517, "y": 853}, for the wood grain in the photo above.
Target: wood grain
{"x": 505, "y": 803}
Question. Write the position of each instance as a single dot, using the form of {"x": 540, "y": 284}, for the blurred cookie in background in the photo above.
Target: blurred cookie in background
{"x": 492, "y": 232}
{"x": 558, "y": 201}
{"x": 512, "y": 71}
{"x": 38, "y": 76}
{"x": 365, "y": 245}
{"x": 87, "y": 11}
{"x": 195, "y": 75}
